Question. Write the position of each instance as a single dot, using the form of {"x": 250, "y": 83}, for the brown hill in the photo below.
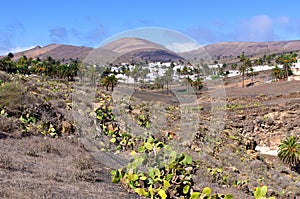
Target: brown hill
{"x": 121, "y": 50}
{"x": 138, "y": 49}
{"x": 129, "y": 49}
{"x": 56, "y": 51}
{"x": 230, "y": 50}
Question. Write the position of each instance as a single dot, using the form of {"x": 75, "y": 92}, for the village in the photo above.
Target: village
{"x": 153, "y": 72}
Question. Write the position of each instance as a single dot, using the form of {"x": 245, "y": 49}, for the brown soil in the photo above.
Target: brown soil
{"x": 35, "y": 166}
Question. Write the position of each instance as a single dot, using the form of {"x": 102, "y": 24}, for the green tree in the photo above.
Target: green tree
{"x": 135, "y": 74}
{"x": 198, "y": 83}
{"x": 168, "y": 77}
{"x": 178, "y": 71}
{"x": 259, "y": 61}
{"x": 184, "y": 70}
{"x": 286, "y": 60}
{"x": 109, "y": 81}
{"x": 289, "y": 151}
{"x": 233, "y": 66}
{"x": 159, "y": 82}
{"x": 7, "y": 64}
{"x": 246, "y": 63}
{"x": 252, "y": 74}
{"x": 23, "y": 64}
{"x": 277, "y": 73}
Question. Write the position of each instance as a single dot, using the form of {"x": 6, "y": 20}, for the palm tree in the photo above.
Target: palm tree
{"x": 168, "y": 77}
{"x": 108, "y": 81}
{"x": 246, "y": 63}
{"x": 135, "y": 74}
{"x": 252, "y": 74}
{"x": 259, "y": 61}
{"x": 276, "y": 73}
{"x": 112, "y": 81}
{"x": 198, "y": 83}
{"x": 233, "y": 66}
{"x": 287, "y": 60}
{"x": 178, "y": 70}
{"x": 289, "y": 151}
{"x": 105, "y": 82}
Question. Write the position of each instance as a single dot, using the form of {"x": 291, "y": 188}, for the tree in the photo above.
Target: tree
{"x": 246, "y": 62}
{"x": 23, "y": 64}
{"x": 159, "y": 82}
{"x": 289, "y": 151}
{"x": 184, "y": 70}
{"x": 109, "y": 81}
{"x": 10, "y": 55}
{"x": 188, "y": 82}
{"x": 178, "y": 71}
{"x": 105, "y": 82}
{"x": 252, "y": 74}
{"x": 277, "y": 73}
{"x": 233, "y": 66}
{"x": 198, "y": 83}
{"x": 135, "y": 74}
{"x": 113, "y": 81}
{"x": 259, "y": 61}
{"x": 7, "y": 64}
{"x": 168, "y": 77}
{"x": 286, "y": 60}
{"x": 143, "y": 73}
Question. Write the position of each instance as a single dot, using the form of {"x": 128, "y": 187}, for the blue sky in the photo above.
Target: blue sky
{"x": 29, "y": 23}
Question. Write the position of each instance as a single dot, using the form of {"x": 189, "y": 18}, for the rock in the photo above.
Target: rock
{"x": 270, "y": 121}
{"x": 241, "y": 117}
{"x": 66, "y": 127}
{"x": 234, "y": 169}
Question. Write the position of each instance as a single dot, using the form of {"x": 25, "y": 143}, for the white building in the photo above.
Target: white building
{"x": 232, "y": 73}
{"x": 296, "y": 68}
{"x": 296, "y": 71}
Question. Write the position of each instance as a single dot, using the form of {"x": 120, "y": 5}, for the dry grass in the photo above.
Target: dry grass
{"x": 35, "y": 167}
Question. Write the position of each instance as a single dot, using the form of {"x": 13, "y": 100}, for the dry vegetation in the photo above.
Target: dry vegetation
{"x": 42, "y": 157}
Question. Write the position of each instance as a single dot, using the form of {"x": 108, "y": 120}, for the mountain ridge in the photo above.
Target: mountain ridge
{"x": 141, "y": 49}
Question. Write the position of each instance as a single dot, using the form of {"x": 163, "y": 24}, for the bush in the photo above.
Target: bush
{"x": 11, "y": 96}
{"x": 6, "y": 162}
{"x": 84, "y": 169}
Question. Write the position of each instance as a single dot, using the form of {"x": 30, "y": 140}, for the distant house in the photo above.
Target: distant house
{"x": 296, "y": 68}
{"x": 232, "y": 73}
{"x": 262, "y": 68}
{"x": 296, "y": 71}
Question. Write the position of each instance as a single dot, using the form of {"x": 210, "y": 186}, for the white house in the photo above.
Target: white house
{"x": 262, "y": 68}
{"x": 296, "y": 71}
{"x": 296, "y": 68}
{"x": 232, "y": 73}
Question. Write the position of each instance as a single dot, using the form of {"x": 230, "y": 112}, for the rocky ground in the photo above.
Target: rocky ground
{"x": 43, "y": 156}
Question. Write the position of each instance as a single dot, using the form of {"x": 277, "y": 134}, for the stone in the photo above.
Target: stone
{"x": 66, "y": 127}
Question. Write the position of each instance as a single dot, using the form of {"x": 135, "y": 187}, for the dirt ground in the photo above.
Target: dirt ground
{"x": 39, "y": 167}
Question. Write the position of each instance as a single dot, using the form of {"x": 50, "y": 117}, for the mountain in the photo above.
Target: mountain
{"x": 56, "y": 51}
{"x": 121, "y": 50}
{"x": 136, "y": 49}
{"x": 230, "y": 50}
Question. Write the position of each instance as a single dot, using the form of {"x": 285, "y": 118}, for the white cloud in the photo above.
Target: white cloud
{"x": 283, "y": 20}
{"x": 15, "y": 50}
{"x": 182, "y": 47}
{"x": 258, "y": 28}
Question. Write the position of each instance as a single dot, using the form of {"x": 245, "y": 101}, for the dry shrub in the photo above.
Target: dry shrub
{"x": 84, "y": 169}
{"x": 11, "y": 96}
{"x": 49, "y": 148}
{"x": 9, "y": 125}
{"x": 6, "y": 162}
